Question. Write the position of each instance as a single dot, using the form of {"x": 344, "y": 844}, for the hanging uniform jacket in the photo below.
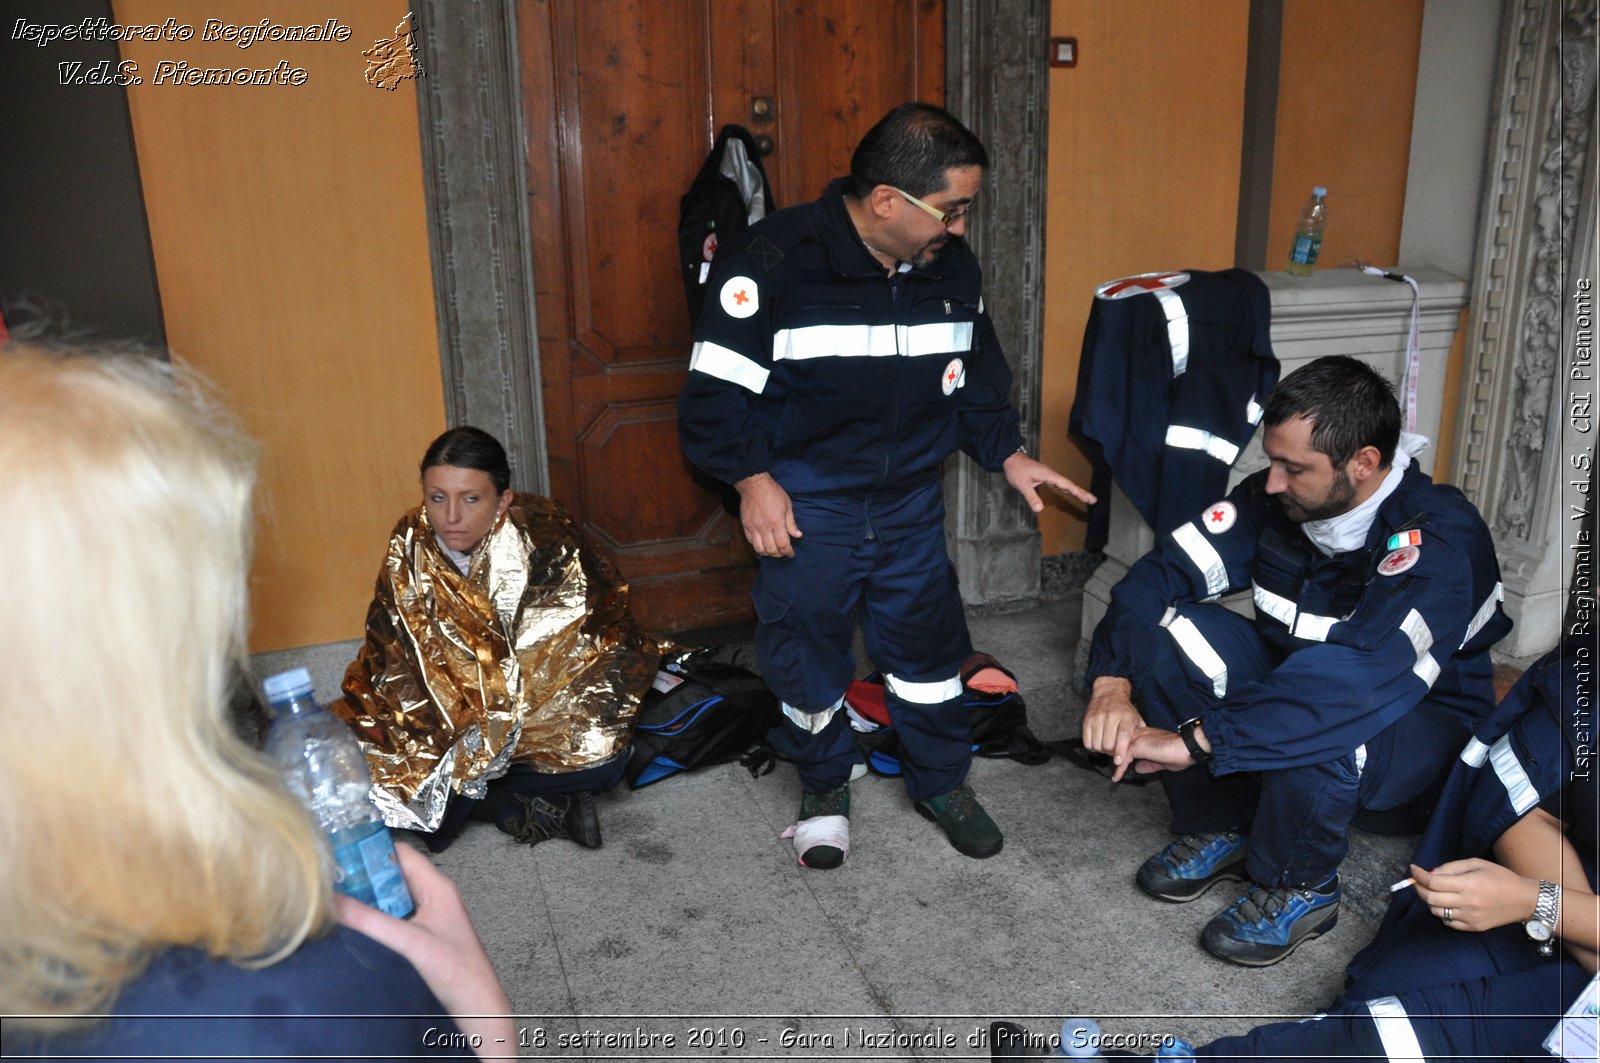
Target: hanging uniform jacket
{"x": 1363, "y": 636}
{"x": 728, "y": 195}
{"x": 811, "y": 364}
{"x": 1174, "y": 370}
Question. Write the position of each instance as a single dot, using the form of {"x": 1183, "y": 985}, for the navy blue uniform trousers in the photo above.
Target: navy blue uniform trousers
{"x": 1298, "y": 819}
{"x": 882, "y": 555}
{"x": 1411, "y": 984}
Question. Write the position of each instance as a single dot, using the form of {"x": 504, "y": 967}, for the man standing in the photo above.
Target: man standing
{"x": 1345, "y": 699}
{"x": 843, "y": 354}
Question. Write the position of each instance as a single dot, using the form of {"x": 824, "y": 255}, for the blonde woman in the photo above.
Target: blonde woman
{"x": 154, "y": 864}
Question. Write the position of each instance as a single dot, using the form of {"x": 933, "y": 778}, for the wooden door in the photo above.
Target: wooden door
{"x": 623, "y": 101}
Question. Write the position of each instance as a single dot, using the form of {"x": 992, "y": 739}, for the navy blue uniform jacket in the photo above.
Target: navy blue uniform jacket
{"x": 811, "y": 364}
{"x": 1360, "y": 647}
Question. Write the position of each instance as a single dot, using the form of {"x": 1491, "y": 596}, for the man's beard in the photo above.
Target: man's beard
{"x": 1338, "y": 501}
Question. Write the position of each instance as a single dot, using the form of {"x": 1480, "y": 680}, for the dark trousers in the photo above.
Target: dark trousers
{"x": 1461, "y": 995}
{"x": 886, "y": 559}
{"x": 1298, "y": 819}
{"x": 500, "y": 802}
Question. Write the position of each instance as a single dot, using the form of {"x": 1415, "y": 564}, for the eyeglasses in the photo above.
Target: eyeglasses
{"x": 934, "y": 212}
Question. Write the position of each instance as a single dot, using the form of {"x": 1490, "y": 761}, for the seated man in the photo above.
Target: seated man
{"x": 1364, "y": 670}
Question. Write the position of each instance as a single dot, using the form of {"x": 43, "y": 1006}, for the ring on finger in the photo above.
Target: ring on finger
{"x": 1449, "y": 916}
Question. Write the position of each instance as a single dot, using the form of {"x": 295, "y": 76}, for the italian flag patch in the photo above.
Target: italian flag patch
{"x": 1405, "y": 538}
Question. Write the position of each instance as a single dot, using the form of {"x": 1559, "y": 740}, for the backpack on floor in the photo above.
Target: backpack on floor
{"x": 705, "y": 707}
{"x": 999, "y": 720}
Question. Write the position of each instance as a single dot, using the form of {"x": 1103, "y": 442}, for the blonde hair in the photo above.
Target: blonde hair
{"x": 133, "y": 819}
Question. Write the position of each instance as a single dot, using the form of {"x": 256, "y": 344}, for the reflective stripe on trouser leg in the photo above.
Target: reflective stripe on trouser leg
{"x": 930, "y": 720}
{"x": 1394, "y": 1030}
{"x": 1198, "y": 650}
{"x": 812, "y": 722}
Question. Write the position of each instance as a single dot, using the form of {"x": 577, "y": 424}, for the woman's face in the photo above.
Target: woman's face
{"x": 462, "y": 504}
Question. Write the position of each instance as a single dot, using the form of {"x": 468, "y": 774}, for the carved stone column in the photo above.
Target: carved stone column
{"x": 997, "y": 82}
{"x": 470, "y": 98}
{"x": 1536, "y": 238}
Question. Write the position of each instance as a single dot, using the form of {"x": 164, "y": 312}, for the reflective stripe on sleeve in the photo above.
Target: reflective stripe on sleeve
{"x": 1276, "y": 606}
{"x": 713, "y": 359}
{"x": 1204, "y": 556}
{"x": 1474, "y": 753}
{"x": 1399, "y": 1039}
{"x": 1254, "y": 410}
{"x": 1313, "y": 628}
{"x": 1421, "y": 637}
{"x": 936, "y": 693}
{"x": 1198, "y": 650}
{"x": 1519, "y": 788}
{"x": 1197, "y": 439}
{"x": 871, "y": 341}
{"x": 1177, "y": 329}
{"x": 1485, "y": 611}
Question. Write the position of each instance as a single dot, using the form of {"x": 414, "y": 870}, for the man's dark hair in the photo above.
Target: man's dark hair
{"x": 910, "y": 148}
{"x": 471, "y": 448}
{"x": 1349, "y": 404}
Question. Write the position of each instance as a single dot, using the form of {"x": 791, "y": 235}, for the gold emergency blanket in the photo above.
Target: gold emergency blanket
{"x": 531, "y": 658}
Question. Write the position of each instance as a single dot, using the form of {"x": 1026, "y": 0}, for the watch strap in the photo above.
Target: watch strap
{"x": 1186, "y": 732}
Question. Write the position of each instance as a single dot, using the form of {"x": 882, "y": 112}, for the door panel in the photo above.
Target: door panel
{"x": 623, "y": 101}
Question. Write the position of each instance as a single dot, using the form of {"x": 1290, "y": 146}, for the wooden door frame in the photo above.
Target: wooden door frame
{"x": 473, "y": 158}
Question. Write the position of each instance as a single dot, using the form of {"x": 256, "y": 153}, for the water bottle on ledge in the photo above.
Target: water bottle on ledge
{"x": 324, "y": 767}
{"x": 1308, "y": 233}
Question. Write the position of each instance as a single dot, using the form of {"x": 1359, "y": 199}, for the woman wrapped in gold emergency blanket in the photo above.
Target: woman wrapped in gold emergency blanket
{"x": 501, "y": 672}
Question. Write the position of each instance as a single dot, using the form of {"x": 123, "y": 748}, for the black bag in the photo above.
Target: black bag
{"x": 704, "y": 708}
{"x": 999, "y": 723}
{"x": 718, "y": 207}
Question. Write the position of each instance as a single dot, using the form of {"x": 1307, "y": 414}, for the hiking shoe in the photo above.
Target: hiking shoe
{"x": 825, "y": 856}
{"x": 570, "y": 816}
{"x": 1265, "y": 925}
{"x": 965, "y": 823}
{"x": 1193, "y": 864}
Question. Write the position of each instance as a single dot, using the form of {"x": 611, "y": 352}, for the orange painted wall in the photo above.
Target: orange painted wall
{"x": 1345, "y": 94}
{"x": 1145, "y": 136}
{"x": 290, "y": 241}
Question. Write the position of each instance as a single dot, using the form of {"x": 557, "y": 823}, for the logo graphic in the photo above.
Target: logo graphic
{"x": 390, "y": 62}
{"x": 1139, "y": 284}
{"x": 739, "y": 297}
{"x": 955, "y": 376}
{"x": 1220, "y": 517}
{"x": 1399, "y": 561}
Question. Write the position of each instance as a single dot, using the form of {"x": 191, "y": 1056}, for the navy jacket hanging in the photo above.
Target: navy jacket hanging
{"x": 1174, "y": 370}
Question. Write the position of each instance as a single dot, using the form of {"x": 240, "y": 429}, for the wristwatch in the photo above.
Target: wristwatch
{"x": 1546, "y": 914}
{"x": 1186, "y": 732}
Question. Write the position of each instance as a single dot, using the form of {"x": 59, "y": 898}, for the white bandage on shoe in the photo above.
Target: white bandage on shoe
{"x": 819, "y": 830}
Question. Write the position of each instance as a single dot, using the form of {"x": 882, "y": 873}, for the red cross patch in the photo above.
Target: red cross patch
{"x": 1220, "y": 517}
{"x": 1139, "y": 284}
{"x": 955, "y": 375}
{"x": 1399, "y": 560}
{"x": 740, "y": 297}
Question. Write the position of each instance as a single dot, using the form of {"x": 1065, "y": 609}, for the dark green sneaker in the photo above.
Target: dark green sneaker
{"x": 824, "y": 856}
{"x": 965, "y": 823}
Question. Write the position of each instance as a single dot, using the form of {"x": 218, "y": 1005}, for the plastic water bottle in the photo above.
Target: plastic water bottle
{"x": 1080, "y": 1039}
{"x": 1175, "y": 1048}
{"x": 1308, "y": 233}
{"x": 324, "y": 767}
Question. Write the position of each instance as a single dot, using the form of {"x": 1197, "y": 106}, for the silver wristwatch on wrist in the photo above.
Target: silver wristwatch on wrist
{"x": 1546, "y": 914}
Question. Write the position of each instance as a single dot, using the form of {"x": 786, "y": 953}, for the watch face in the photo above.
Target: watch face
{"x": 1537, "y": 930}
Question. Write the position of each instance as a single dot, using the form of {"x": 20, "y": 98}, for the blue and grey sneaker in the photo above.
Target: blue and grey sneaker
{"x": 1193, "y": 864}
{"x": 1265, "y": 925}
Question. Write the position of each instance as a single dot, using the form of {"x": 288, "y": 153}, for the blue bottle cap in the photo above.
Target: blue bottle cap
{"x": 1319, "y": 192}
{"x": 286, "y": 686}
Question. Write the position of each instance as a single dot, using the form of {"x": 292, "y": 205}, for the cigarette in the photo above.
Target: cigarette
{"x": 1402, "y": 884}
